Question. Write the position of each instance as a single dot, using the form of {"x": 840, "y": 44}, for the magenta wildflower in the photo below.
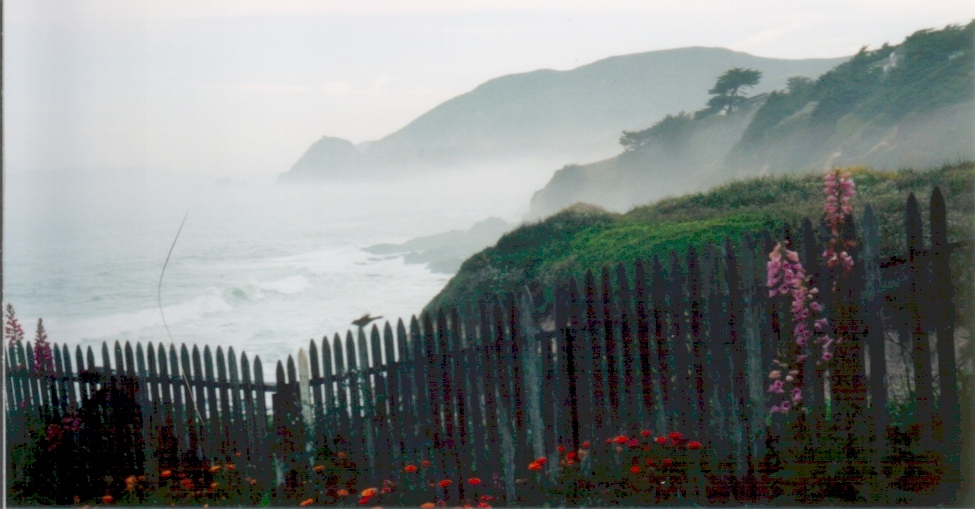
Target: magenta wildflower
{"x": 12, "y": 331}
{"x": 43, "y": 357}
{"x": 839, "y": 190}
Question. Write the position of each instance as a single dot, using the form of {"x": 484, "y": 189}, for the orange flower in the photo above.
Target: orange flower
{"x": 409, "y": 469}
{"x": 369, "y": 492}
{"x": 444, "y": 483}
{"x": 342, "y": 492}
{"x": 214, "y": 485}
{"x": 428, "y": 505}
{"x": 585, "y": 445}
{"x": 214, "y": 469}
{"x": 694, "y": 445}
{"x": 237, "y": 454}
{"x": 645, "y": 433}
{"x": 253, "y": 482}
{"x": 319, "y": 468}
{"x": 473, "y": 481}
{"x": 622, "y": 439}
{"x": 635, "y": 469}
{"x": 166, "y": 474}
{"x": 535, "y": 466}
{"x": 306, "y": 502}
{"x": 108, "y": 499}
{"x": 231, "y": 466}
{"x": 340, "y": 454}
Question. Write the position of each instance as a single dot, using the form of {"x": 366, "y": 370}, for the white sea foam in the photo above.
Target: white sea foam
{"x": 193, "y": 310}
{"x": 287, "y": 286}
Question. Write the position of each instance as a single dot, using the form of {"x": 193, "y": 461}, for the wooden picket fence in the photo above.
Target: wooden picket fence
{"x": 681, "y": 344}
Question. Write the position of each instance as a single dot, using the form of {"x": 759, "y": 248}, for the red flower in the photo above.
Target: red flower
{"x": 635, "y": 469}
{"x": 650, "y": 462}
{"x": 363, "y": 500}
{"x": 444, "y": 483}
{"x": 675, "y": 435}
{"x": 645, "y": 433}
{"x": 426, "y": 463}
{"x": 668, "y": 462}
{"x": 633, "y": 443}
{"x": 694, "y": 445}
{"x": 661, "y": 440}
{"x": 306, "y": 502}
{"x": 165, "y": 474}
{"x": 484, "y": 505}
{"x": 535, "y": 466}
{"x": 561, "y": 448}
{"x": 409, "y": 469}
{"x": 571, "y": 456}
{"x": 473, "y": 481}
{"x": 622, "y": 439}
{"x": 541, "y": 460}
{"x": 585, "y": 445}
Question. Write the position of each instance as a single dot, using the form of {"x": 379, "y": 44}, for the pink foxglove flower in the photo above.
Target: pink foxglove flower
{"x": 12, "y": 331}
{"x": 43, "y": 357}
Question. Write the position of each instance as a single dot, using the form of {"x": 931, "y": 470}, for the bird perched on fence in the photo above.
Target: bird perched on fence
{"x": 362, "y": 322}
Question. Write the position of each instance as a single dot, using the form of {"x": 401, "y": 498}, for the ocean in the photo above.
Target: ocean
{"x": 261, "y": 267}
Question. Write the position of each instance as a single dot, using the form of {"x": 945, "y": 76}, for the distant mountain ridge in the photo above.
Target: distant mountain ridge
{"x": 909, "y": 105}
{"x": 556, "y": 116}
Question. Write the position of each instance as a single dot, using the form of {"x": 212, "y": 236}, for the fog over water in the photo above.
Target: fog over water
{"x": 264, "y": 268}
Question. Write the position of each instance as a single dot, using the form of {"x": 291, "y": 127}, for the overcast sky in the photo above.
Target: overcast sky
{"x": 241, "y": 88}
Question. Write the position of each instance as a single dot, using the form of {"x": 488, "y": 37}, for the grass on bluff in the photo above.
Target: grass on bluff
{"x": 585, "y": 237}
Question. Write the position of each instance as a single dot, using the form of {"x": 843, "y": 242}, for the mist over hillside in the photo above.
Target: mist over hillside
{"x": 910, "y": 105}
{"x": 544, "y": 119}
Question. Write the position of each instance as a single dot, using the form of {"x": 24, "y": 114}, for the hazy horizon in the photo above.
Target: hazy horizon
{"x": 240, "y": 90}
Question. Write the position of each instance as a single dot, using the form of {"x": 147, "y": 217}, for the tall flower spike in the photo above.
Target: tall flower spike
{"x": 43, "y": 357}
{"x": 12, "y": 331}
{"x": 787, "y": 277}
{"x": 839, "y": 189}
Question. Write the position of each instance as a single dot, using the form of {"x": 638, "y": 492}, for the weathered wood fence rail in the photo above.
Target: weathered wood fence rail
{"x": 684, "y": 343}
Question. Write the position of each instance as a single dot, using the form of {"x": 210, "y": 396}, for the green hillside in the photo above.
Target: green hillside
{"x": 906, "y": 106}
{"x": 584, "y": 237}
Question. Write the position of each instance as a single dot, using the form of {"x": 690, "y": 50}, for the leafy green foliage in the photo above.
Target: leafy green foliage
{"x": 670, "y": 131}
{"x": 728, "y": 90}
{"x": 779, "y": 106}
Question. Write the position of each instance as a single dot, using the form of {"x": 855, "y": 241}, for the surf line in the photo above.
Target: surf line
{"x": 189, "y": 392}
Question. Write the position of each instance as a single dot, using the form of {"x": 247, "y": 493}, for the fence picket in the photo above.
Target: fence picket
{"x": 237, "y": 422}
{"x": 227, "y": 447}
{"x": 380, "y": 413}
{"x": 921, "y": 350}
